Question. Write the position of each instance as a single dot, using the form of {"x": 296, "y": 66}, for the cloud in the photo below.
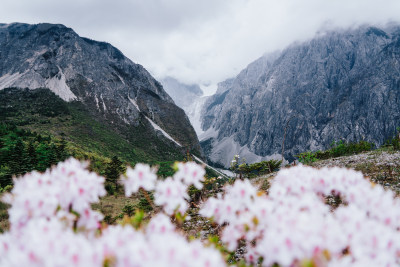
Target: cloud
{"x": 204, "y": 41}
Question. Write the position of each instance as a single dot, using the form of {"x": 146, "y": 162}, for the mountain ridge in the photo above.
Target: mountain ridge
{"x": 340, "y": 85}
{"x": 94, "y": 73}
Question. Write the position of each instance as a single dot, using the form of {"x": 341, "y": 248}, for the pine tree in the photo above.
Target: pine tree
{"x": 114, "y": 170}
{"x": 52, "y": 158}
{"x": 42, "y": 152}
{"x": 61, "y": 150}
{"x": 32, "y": 156}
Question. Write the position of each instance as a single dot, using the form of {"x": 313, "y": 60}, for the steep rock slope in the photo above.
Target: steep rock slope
{"x": 187, "y": 96}
{"x": 94, "y": 73}
{"x": 342, "y": 85}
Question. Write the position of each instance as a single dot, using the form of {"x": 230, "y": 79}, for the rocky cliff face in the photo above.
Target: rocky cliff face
{"x": 94, "y": 73}
{"x": 342, "y": 85}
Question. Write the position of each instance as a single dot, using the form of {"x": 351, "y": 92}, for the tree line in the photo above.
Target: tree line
{"x": 22, "y": 151}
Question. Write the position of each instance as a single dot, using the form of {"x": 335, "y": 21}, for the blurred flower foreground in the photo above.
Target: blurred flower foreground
{"x": 295, "y": 224}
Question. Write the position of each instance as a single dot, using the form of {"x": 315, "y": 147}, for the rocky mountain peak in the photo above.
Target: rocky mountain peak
{"x": 341, "y": 85}
{"x": 96, "y": 73}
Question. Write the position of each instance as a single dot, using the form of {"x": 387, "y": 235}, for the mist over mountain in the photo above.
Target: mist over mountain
{"x": 189, "y": 97}
{"x": 341, "y": 85}
{"x": 96, "y": 74}
{"x": 182, "y": 94}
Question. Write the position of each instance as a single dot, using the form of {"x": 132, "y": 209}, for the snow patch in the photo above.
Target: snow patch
{"x": 216, "y": 170}
{"x": 104, "y": 105}
{"x": 194, "y": 114}
{"x": 270, "y": 84}
{"x": 122, "y": 80}
{"x": 134, "y": 103}
{"x": 97, "y": 102}
{"x": 8, "y": 80}
{"x": 59, "y": 86}
{"x": 208, "y": 89}
{"x": 158, "y": 128}
{"x": 32, "y": 80}
{"x": 36, "y": 55}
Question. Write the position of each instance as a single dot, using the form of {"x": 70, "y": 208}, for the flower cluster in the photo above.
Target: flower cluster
{"x": 142, "y": 176}
{"x": 159, "y": 245}
{"x": 62, "y": 192}
{"x": 293, "y": 223}
{"x": 48, "y": 243}
{"x": 170, "y": 193}
{"x": 52, "y": 224}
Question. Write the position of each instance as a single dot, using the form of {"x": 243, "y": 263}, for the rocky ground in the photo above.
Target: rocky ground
{"x": 380, "y": 166}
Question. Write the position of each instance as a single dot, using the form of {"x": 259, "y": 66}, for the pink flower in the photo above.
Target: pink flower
{"x": 190, "y": 173}
{"x": 160, "y": 224}
{"x": 171, "y": 194}
{"x": 142, "y": 176}
{"x": 66, "y": 188}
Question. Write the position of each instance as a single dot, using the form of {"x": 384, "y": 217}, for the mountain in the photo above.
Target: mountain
{"x": 341, "y": 85}
{"x": 97, "y": 79}
{"x": 182, "y": 94}
{"x": 189, "y": 97}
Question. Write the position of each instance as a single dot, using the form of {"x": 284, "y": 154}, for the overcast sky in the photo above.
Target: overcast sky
{"x": 199, "y": 41}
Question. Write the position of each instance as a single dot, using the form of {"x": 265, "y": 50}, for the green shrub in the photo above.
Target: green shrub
{"x": 143, "y": 204}
{"x": 394, "y": 141}
{"x": 108, "y": 219}
{"x": 165, "y": 169}
{"x": 259, "y": 168}
{"x": 194, "y": 193}
{"x": 128, "y": 210}
{"x": 337, "y": 149}
{"x": 307, "y": 157}
{"x": 118, "y": 217}
{"x": 342, "y": 148}
{"x": 110, "y": 189}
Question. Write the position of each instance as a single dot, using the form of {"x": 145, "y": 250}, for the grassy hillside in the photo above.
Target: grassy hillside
{"x": 43, "y": 112}
{"x": 38, "y": 129}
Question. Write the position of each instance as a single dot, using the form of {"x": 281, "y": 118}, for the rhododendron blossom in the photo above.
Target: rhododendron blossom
{"x": 52, "y": 223}
{"x": 156, "y": 247}
{"x": 47, "y": 242}
{"x": 293, "y": 223}
{"x": 142, "y": 176}
{"x": 190, "y": 173}
{"x": 160, "y": 224}
{"x": 172, "y": 195}
{"x": 60, "y": 192}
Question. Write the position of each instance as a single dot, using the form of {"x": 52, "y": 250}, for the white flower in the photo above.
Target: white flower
{"x": 294, "y": 223}
{"x": 67, "y": 188}
{"x": 160, "y": 224}
{"x": 190, "y": 173}
{"x": 142, "y": 176}
{"x": 171, "y": 194}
